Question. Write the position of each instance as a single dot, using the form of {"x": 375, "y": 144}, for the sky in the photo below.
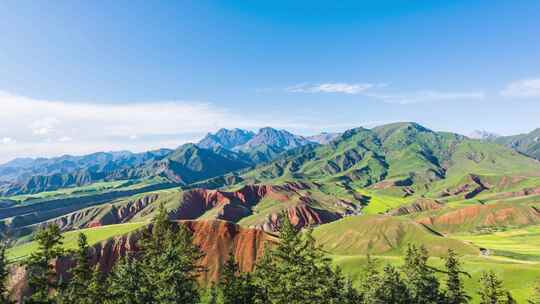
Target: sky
{"x": 84, "y": 76}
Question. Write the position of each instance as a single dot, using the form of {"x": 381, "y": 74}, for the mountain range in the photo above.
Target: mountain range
{"x": 363, "y": 191}
{"x": 370, "y": 159}
{"x": 528, "y": 143}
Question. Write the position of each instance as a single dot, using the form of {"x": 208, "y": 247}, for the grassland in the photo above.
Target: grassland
{"x": 380, "y": 203}
{"x": 379, "y": 234}
{"x": 518, "y": 276}
{"x": 519, "y": 243}
{"x": 94, "y": 235}
{"x": 94, "y": 188}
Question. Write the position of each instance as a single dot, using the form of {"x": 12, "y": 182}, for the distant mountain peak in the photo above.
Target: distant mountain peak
{"x": 323, "y": 138}
{"x": 280, "y": 139}
{"x": 483, "y": 134}
{"x": 226, "y": 138}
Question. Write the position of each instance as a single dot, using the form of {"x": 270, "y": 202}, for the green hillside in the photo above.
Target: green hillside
{"x": 377, "y": 234}
{"x": 518, "y": 276}
{"x": 94, "y": 235}
{"x": 401, "y": 158}
{"x": 528, "y": 143}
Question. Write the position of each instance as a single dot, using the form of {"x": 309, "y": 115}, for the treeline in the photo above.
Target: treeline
{"x": 294, "y": 271}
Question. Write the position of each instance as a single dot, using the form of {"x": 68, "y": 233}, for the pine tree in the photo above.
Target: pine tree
{"x": 76, "y": 290}
{"x": 369, "y": 275}
{"x": 210, "y": 296}
{"x": 235, "y": 287}
{"x": 420, "y": 278}
{"x": 455, "y": 292}
{"x": 97, "y": 288}
{"x": 508, "y": 299}
{"x": 296, "y": 271}
{"x": 288, "y": 269}
{"x": 389, "y": 289}
{"x": 127, "y": 284}
{"x": 4, "y": 274}
{"x": 263, "y": 276}
{"x": 491, "y": 290}
{"x": 535, "y": 297}
{"x": 42, "y": 276}
{"x": 351, "y": 295}
{"x": 338, "y": 289}
{"x": 169, "y": 261}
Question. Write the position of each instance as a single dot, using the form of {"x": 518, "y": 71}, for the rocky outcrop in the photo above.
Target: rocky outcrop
{"x": 477, "y": 217}
{"x": 473, "y": 186}
{"x": 216, "y": 239}
{"x": 106, "y": 214}
{"x": 301, "y": 215}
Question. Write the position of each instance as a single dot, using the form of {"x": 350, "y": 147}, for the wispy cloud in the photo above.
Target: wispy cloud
{"x": 333, "y": 87}
{"x": 524, "y": 88}
{"x": 426, "y": 96}
{"x": 33, "y": 127}
{"x": 7, "y": 140}
{"x": 383, "y": 92}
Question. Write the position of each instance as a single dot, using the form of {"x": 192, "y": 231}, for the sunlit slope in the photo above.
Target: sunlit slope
{"x": 94, "y": 235}
{"x": 518, "y": 277}
{"x": 401, "y": 159}
{"x": 378, "y": 234}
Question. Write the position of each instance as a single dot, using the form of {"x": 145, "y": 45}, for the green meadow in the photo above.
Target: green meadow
{"x": 519, "y": 243}
{"x": 518, "y": 276}
{"x": 94, "y": 235}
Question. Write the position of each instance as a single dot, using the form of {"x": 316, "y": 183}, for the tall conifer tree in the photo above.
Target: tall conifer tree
{"x": 491, "y": 289}
{"x": 170, "y": 261}
{"x": 455, "y": 291}
{"x": 76, "y": 290}
{"x": 390, "y": 288}
{"x": 235, "y": 287}
{"x": 421, "y": 281}
{"x": 4, "y": 274}
{"x": 43, "y": 281}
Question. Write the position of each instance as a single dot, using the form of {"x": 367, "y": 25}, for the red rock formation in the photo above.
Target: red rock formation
{"x": 216, "y": 239}
{"x": 483, "y": 216}
{"x": 232, "y": 206}
{"x": 301, "y": 215}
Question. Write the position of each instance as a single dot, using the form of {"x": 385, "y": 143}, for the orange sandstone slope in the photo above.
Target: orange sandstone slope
{"x": 215, "y": 238}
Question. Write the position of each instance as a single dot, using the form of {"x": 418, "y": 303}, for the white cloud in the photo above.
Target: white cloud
{"x": 525, "y": 88}
{"x": 7, "y": 140}
{"x": 380, "y": 92}
{"x": 44, "y": 126}
{"x": 426, "y": 96}
{"x": 335, "y": 87}
{"x": 48, "y": 127}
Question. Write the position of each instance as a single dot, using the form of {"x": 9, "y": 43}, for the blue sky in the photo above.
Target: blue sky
{"x": 82, "y": 76}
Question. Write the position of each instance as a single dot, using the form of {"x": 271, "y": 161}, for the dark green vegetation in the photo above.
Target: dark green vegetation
{"x": 295, "y": 270}
{"x": 182, "y": 166}
{"x": 367, "y": 191}
{"x": 4, "y": 275}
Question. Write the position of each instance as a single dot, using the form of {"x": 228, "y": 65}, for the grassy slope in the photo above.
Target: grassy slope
{"x": 94, "y": 235}
{"x": 518, "y": 243}
{"x": 387, "y": 235}
{"x": 518, "y": 276}
{"x": 380, "y": 203}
